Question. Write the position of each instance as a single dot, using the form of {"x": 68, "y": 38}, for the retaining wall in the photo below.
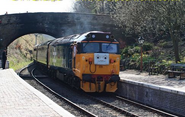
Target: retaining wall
{"x": 164, "y": 98}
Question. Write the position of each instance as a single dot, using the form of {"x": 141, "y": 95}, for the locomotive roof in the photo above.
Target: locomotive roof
{"x": 89, "y": 36}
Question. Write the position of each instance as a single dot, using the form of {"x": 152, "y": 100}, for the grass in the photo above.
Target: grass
{"x": 20, "y": 51}
{"x": 19, "y": 65}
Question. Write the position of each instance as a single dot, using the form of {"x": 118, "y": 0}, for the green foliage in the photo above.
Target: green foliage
{"x": 137, "y": 49}
{"x": 135, "y": 57}
{"x": 147, "y": 58}
{"x": 147, "y": 46}
{"x": 125, "y": 50}
{"x": 162, "y": 44}
{"x": 18, "y": 66}
{"x": 165, "y": 44}
{"x": 166, "y": 63}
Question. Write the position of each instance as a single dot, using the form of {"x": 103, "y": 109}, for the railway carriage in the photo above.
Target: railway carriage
{"x": 89, "y": 61}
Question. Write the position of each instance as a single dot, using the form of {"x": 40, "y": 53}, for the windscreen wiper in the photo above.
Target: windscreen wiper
{"x": 108, "y": 45}
{"x": 85, "y": 45}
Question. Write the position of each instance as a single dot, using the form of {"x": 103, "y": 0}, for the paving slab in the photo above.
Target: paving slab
{"x": 19, "y": 99}
{"x": 159, "y": 80}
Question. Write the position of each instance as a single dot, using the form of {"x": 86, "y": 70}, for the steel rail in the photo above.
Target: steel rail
{"x": 21, "y": 70}
{"x": 89, "y": 114}
{"x": 162, "y": 113}
{"x": 118, "y": 109}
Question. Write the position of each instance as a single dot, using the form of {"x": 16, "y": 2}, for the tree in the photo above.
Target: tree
{"x": 84, "y": 6}
{"x": 147, "y": 17}
{"x": 93, "y": 6}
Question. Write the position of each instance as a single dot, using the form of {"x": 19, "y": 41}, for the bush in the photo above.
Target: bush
{"x": 165, "y": 44}
{"x": 137, "y": 49}
{"x": 147, "y": 46}
{"x": 125, "y": 51}
{"x": 129, "y": 51}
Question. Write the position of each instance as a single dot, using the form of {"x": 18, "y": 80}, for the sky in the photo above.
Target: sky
{"x": 23, "y": 6}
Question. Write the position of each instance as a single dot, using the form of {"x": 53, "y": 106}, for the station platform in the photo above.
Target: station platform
{"x": 158, "y": 80}
{"x": 19, "y": 99}
{"x": 157, "y": 91}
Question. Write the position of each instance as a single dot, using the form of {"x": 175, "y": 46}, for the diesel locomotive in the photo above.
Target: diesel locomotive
{"x": 90, "y": 61}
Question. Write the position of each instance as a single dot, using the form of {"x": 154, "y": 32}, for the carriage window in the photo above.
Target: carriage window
{"x": 63, "y": 53}
{"x": 91, "y": 47}
{"x": 109, "y": 48}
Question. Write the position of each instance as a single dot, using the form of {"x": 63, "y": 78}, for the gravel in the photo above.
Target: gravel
{"x": 129, "y": 107}
{"x": 53, "y": 97}
{"x": 81, "y": 100}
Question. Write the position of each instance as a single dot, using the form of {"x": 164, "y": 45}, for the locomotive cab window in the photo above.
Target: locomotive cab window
{"x": 109, "y": 48}
{"x": 99, "y": 47}
{"x": 91, "y": 47}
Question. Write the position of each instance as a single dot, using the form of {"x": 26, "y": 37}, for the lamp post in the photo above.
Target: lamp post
{"x": 141, "y": 41}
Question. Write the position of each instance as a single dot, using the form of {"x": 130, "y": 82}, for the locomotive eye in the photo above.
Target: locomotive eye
{"x": 98, "y": 57}
{"x": 105, "y": 57}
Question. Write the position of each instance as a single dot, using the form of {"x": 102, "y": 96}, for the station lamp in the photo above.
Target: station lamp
{"x": 141, "y": 41}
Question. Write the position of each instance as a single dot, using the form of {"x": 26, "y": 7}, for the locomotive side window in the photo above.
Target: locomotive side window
{"x": 109, "y": 48}
{"x": 91, "y": 47}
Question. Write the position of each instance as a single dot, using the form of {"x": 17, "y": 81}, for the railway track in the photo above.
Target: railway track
{"x": 85, "y": 112}
{"x": 129, "y": 112}
{"x": 80, "y": 111}
{"x": 117, "y": 111}
{"x": 98, "y": 104}
{"x": 134, "y": 107}
{"x": 144, "y": 107}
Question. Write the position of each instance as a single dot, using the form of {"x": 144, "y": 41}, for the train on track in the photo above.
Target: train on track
{"x": 90, "y": 61}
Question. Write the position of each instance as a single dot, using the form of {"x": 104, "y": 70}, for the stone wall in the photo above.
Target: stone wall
{"x": 164, "y": 98}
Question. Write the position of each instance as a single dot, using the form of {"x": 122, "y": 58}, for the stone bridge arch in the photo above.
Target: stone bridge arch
{"x": 57, "y": 25}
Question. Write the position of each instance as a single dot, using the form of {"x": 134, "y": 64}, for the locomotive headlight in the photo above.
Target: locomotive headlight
{"x": 93, "y": 36}
{"x": 107, "y": 36}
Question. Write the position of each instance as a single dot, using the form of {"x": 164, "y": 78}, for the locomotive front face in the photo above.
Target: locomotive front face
{"x": 97, "y": 65}
{"x": 101, "y": 58}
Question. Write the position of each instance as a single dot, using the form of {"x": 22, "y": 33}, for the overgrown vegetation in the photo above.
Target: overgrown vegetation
{"x": 20, "y": 51}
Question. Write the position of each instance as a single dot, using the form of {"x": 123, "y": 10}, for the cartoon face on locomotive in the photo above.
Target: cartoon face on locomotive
{"x": 90, "y": 60}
